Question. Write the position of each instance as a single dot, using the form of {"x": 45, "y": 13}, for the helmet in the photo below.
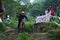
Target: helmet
{"x": 23, "y": 12}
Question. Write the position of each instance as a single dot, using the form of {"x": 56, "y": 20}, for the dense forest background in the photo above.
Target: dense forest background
{"x": 32, "y": 9}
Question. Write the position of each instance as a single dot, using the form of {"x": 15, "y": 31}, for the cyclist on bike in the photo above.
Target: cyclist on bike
{"x": 20, "y": 23}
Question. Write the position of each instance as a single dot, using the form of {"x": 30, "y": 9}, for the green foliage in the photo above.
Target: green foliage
{"x": 11, "y": 23}
{"x": 53, "y": 3}
{"x": 3, "y": 37}
{"x": 56, "y": 20}
{"x": 12, "y": 7}
{"x": 47, "y": 26}
{"x": 36, "y": 9}
{"x": 29, "y": 25}
{"x": 23, "y": 8}
{"x": 52, "y": 25}
{"x": 21, "y": 36}
{"x": 2, "y": 26}
{"x": 24, "y": 36}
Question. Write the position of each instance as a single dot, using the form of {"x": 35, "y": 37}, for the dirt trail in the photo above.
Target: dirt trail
{"x": 11, "y": 33}
{"x": 40, "y": 36}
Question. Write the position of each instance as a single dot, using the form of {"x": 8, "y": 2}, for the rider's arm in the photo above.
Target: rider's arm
{"x": 26, "y": 18}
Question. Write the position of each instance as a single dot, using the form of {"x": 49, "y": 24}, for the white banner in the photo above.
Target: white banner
{"x": 44, "y": 18}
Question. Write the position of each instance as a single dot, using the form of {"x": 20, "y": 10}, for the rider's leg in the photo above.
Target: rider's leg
{"x": 18, "y": 27}
{"x": 22, "y": 26}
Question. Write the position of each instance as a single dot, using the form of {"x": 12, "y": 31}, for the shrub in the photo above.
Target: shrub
{"x": 2, "y": 26}
{"x": 29, "y": 25}
{"x": 24, "y": 36}
{"x": 3, "y": 37}
{"x": 11, "y": 23}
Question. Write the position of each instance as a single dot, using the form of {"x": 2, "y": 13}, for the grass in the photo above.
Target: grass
{"x": 2, "y": 26}
{"x": 21, "y": 36}
{"x": 24, "y": 36}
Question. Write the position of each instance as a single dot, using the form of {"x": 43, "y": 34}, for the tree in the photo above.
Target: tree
{"x": 12, "y": 7}
{"x": 53, "y": 3}
{"x": 36, "y": 9}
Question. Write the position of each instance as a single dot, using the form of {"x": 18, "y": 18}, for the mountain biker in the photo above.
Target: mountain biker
{"x": 20, "y": 21}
